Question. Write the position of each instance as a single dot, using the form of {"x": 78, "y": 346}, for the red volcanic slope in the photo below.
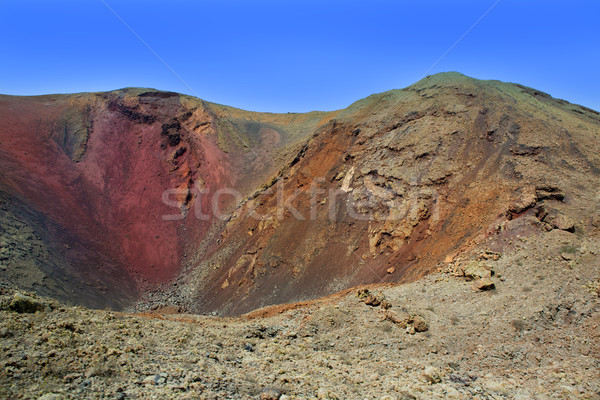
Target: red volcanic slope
{"x": 96, "y": 167}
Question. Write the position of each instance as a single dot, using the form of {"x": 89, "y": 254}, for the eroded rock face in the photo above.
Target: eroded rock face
{"x": 140, "y": 188}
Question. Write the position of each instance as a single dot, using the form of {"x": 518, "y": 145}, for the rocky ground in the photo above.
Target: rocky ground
{"x": 522, "y": 324}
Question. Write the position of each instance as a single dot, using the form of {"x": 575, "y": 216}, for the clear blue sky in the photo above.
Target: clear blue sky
{"x": 289, "y": 55}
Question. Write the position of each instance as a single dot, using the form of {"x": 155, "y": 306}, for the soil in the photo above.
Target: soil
{"x": 536, "y": 335}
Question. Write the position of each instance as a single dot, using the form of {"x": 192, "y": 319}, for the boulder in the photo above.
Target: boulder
{"x": 485, "y": 284}
{"x": 432, "y": 375}
{"x": 270, "y": 394}
{"x": 420, "y": 324}
{"x": 477, "y": 270}
{"x": 25, "y": 304}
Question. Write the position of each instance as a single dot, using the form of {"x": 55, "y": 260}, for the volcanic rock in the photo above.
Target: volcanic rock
{"x": 270, "y": 394}
{"x": 477, "y": 269}
{"x": 419, "y": 324}
{"x": 25, "y": 304}
{"x": 485, "y": 284}
{"x": 432, "y": 375}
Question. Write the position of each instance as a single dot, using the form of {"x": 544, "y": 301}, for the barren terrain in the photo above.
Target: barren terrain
{"x": 439, "y": 241}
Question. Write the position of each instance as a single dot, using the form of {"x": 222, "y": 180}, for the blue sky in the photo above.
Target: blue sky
{"x": 289, "y": 55}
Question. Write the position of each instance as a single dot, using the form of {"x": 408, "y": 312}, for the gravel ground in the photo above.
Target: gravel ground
{"x": 535, "y": 335}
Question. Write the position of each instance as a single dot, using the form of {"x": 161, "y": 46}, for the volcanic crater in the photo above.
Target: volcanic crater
{"x": 143, "y": 199}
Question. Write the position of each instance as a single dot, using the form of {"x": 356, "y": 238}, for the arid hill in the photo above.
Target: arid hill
{"x": 112, "y": 198}
{"x": 480, "y": 197}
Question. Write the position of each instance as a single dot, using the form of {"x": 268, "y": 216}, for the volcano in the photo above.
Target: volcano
{"x": 145, "y": 198}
